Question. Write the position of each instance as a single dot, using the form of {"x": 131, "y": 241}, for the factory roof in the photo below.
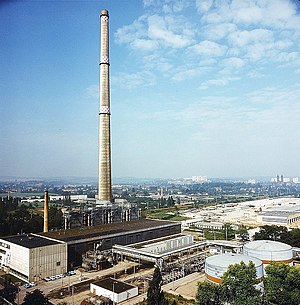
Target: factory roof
{"x": 107, "y": 229}
{"x": 282, "y": 211}
{"x": 113, "y": 285}
{"x": 226, "y": 259}
{"x": 267, "y": 245}
{"x": 30, "y": 241}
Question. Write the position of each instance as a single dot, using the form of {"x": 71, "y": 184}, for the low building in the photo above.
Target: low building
{"x": 104, "y": 236}
{"x": 284, "y": 216}
{"x": 160, "y": 250}
{"x": 113, "y": 289}
{"x": 31, "y": 257}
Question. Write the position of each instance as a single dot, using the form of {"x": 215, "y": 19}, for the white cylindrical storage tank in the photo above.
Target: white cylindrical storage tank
{"x": 269, "y": 251}
{"x": 217, "y": 265}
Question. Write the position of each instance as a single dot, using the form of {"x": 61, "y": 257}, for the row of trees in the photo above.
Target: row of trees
{"x": 239, "y": 286}
{"x": 279, "y": 233}
{"x": 16, "y": 218}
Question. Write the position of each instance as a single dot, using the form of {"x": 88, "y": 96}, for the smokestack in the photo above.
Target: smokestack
{"x": 104, "y": 188}
{"x": 46, "y": 212}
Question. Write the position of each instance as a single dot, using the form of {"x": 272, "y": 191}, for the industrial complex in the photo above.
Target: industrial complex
{"x": 108, "y": 231}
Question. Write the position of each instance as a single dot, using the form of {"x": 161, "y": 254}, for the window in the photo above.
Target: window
{"x": 57, "y": 263}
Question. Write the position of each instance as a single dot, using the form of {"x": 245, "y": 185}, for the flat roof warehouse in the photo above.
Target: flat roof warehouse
{"x": 30, "y": 241}
{"x": 104, "y": 229}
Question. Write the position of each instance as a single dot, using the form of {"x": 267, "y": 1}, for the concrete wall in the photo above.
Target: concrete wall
{"x": 115, "y": 297}
{"x": 15, "y": 259}
{"x": 33, "y": 264}
{"x": 47, "y": 261}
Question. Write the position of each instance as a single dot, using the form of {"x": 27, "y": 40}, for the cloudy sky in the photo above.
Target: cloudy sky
{"x": 198, "y": 87}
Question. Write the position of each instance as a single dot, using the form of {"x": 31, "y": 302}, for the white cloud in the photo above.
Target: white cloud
{"x": 287, "y": 56}
{"x": 144, "y": 44}
{"x": 233, "y": 34}
{"x": 161, "y": 29}
{"x": 187, "y": 73}
{"x": 255, "y": 74}
{"x": 175, "y": 6}
{"x": 149, "y": 2}
{"x": 203, "y": 5}
{"x": 134, "y": 80}
{"x": 271, "y": 13}
{"x": 242, "y": 38}
{"x": 222, "y": 81}
{"x": 218, "y": 31}
{"x": 246, "y": 11}
{"x": 149, "y": 32}
{"x": 128, "y": 33}
{"x": 92, "y": 91}
{"x": 209, "y": 48}
{"x": 233, "y": 63}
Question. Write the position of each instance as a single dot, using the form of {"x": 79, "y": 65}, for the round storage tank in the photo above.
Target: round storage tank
{"x": 269, "y": 251}
{"x": 217, "y": 265}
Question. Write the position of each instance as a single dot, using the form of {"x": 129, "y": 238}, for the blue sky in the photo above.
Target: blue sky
{"x": 198, "y": 87}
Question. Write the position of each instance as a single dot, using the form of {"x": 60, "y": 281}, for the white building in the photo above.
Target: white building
{"x": 31, "y": 257}
{"x": 113, "y": 289}
{"x": 284, "y": 216}
{"x": 199, "y": 178}
{"x": 269, "y": 251}
{"x": 64, "y": 197}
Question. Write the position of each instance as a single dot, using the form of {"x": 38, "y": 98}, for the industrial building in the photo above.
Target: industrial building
{"x": 217, "y": 265}
{"x": 176, "y": 255}
{"x": 113, "y": 289}
{"x": 101, "y": 214}
{"x": 283, "y": 215}
{"x": 31, "y": 257}
{"x": 103, "y": 237}
{"x": 34, "y": 256}
{"x": 269, "y": 251}
{"x": 161, "y": 250}
{"x": 93, "y": 229}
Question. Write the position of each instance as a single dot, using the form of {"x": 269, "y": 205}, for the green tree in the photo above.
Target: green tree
{"x": 35, "y": 297}
{"x": 238, "y": 285}
{"x": 170, "y": 201}
{"x": 270, "y": 232}
{"x": 208, "y": 294}
{"x": 243, "y": 234}
{"x": 282, "y": 285}
{"x": 155, "y": 296}
{"x": 9, "y": 291}
{"x": 55, "y": 218}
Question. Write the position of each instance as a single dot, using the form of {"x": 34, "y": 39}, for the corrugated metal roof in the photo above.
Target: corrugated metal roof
{"x": 105, "y": 229}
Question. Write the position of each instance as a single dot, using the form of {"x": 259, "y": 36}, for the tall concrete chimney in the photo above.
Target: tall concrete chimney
{"x": 46, "y": 212}
{"x": 104, "y": 188}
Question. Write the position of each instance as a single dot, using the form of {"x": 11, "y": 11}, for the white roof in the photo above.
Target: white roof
{"x": 226, "y": 259}
{"x": 267, "y": 245}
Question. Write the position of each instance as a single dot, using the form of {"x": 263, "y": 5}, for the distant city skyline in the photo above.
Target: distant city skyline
{"x": 197, "y": 88}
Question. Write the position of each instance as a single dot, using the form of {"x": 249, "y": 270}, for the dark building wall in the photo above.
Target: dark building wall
{"x": 75, "y": 251}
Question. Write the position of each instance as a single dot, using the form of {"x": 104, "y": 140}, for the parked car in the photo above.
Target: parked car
{"x": 27, "y": 285}
{"x": 32, "y": 284}
{"x": 47, "y": 279}
{"x": 71, "y": 272}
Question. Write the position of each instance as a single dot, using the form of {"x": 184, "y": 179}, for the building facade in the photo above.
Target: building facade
{"x": 31, "y": 257}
